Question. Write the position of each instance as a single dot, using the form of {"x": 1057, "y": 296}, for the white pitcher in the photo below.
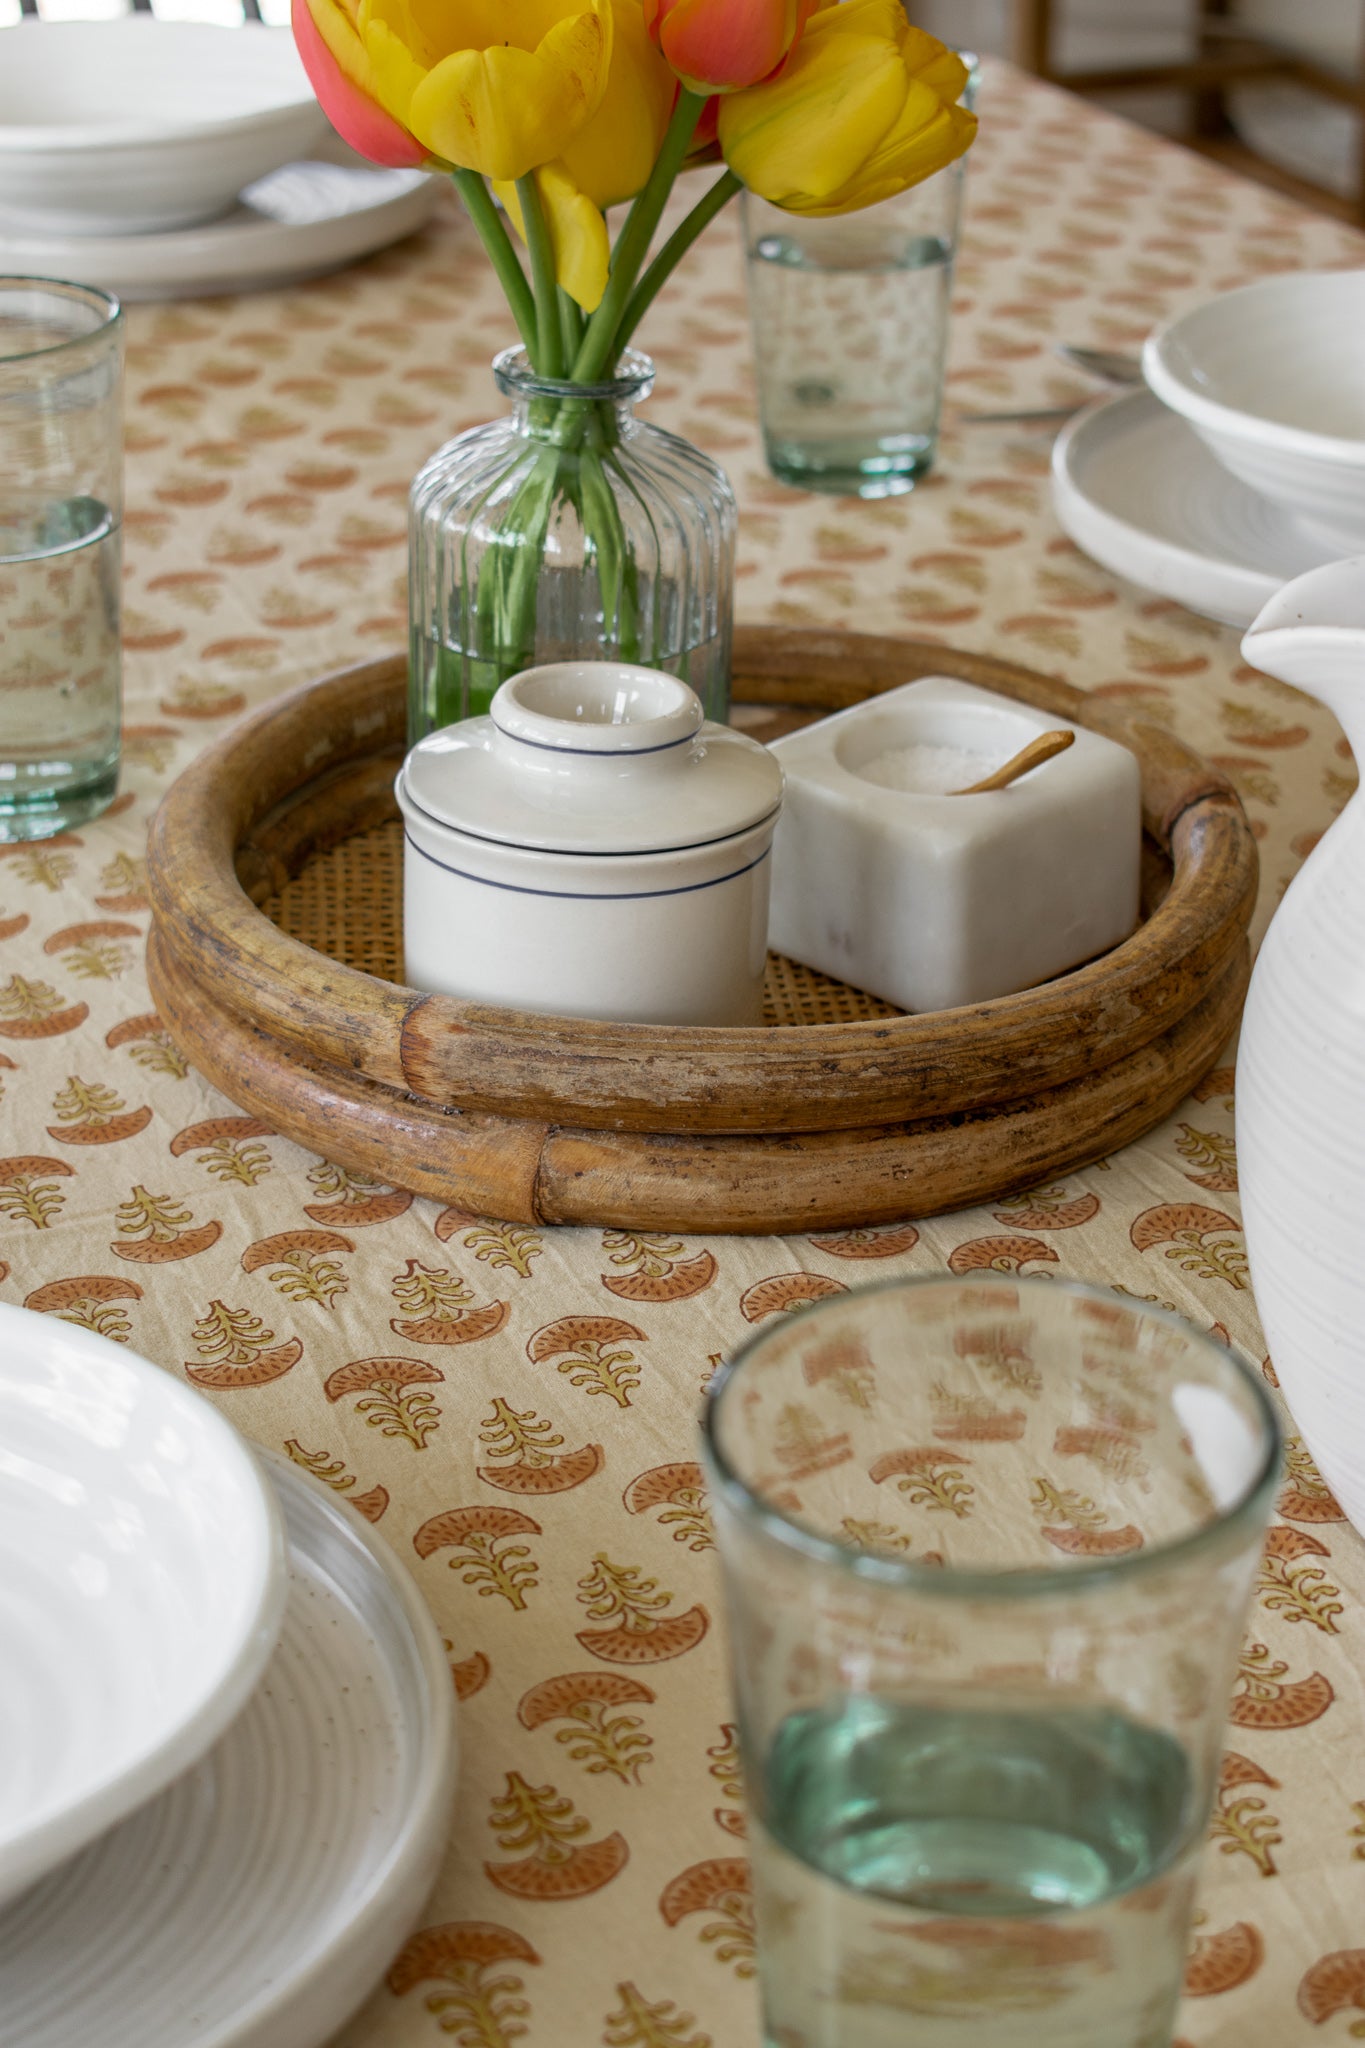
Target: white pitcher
{"x": 1301, "y": 1066}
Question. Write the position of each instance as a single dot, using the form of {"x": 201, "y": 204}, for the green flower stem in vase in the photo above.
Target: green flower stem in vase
{"x": 568, "y": 530}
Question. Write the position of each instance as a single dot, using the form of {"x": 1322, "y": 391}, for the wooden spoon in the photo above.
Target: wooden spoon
{"x": 1037, "y": 751}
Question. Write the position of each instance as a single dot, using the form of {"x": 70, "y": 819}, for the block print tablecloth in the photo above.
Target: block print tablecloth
{"x": 544, "y": 1403}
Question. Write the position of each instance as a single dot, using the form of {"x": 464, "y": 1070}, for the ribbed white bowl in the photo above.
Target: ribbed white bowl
{"x": 1272, "y": 377}
{"x": 137, "y": 125}
{"x": 142, "y": 1580}
{"x": 257, "y": 1902}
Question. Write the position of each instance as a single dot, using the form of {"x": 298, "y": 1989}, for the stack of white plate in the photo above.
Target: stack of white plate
{"x": 165, "y": 159}
{"x": 227, "y": 1747}
{"x": 1243, "y": 463}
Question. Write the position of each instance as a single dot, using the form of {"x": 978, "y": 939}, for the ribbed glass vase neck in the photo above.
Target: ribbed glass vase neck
{"x": 634, "y": 380}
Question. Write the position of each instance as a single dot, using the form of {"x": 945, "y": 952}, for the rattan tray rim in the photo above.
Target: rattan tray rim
{"x": 242, "y": 800}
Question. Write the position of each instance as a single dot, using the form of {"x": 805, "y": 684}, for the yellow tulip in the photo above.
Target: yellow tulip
{"x": 607, "y": 160}
{"x": 865, "y": 107}
{"x": 495, "y": 86}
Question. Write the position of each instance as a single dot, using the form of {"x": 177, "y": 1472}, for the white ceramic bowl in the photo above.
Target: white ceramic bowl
{"x": 136, "y": 125}
{"x": 1272, "y": 377}
{"x": 142, "y": 1584}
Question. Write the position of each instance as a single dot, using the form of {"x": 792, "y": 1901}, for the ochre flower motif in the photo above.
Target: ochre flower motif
{"x": 560, "y": 1865}
{"x": 485, "y": 1555}
{"x": 395, "y": 1396}
{"x": 1222, "y": 1962}
{"x": 240, "y": 1350}
{"x": 721, "y": 1885}
{"x": 479, "y": 2000}
{"x": 93, "y": 1301}
{"x": 527, "y": 1448}
{"x": 603, "y": 1742}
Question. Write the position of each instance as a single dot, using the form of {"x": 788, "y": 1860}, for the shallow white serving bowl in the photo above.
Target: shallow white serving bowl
{"x": 1137, "y": 490}
{"x": 142, "y": 1585}
{"x": 137, "y": 125}
{"x": 1272, "y": 377}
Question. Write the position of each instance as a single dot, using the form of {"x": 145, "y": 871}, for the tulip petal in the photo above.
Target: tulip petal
{"x": 930, "y": 60}
{"x": 810, "y": 130}
{"x": 865, "y": 107}
{"x": 396, "y": 72}
{"x": 578, "y": 233}
{"x": 613, "y": 153}
{"x": 931, "y": 148}
{"x": 503, "y": 111}
{"x": 340, "y": 73}
{"x": 727, "y": 43}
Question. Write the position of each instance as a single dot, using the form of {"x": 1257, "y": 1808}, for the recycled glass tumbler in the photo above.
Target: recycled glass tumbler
{"x": 986, "y": 1548}
{"x": 61, "y": 490}
{"x": 850, "y": 323}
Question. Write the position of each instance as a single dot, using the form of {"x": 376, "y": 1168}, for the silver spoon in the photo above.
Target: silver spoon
{"x": 1123, "y": 372}
{"x": 1107, "y": 364}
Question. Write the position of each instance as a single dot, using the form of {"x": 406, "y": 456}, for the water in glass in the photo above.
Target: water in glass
{"x": 852, "y": 328}
{"x": 59, "y": 657}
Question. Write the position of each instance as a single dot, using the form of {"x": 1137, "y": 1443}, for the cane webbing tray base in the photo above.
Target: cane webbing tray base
{"x": 275, "y": 867}
{"x": 347, "y": 902}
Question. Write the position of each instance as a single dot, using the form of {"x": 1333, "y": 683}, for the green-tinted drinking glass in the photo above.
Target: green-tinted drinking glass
{"x": 61, "y": 492}
{"x": 850, "y": 319}
{"x": 987, "y": 1546}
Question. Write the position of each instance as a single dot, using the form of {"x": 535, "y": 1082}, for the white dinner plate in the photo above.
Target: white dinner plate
{"x": 258, "y": 1902}
{"x": 1139, "y": 492}
{"x": 142, "y": 1582}
{"x": 296, "y": 223}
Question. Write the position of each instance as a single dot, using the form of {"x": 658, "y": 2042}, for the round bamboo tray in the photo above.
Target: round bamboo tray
{"x": 275, "y": 962}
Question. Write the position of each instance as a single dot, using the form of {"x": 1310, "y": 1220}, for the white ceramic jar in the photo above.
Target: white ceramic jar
{"x": 592, "y": 848}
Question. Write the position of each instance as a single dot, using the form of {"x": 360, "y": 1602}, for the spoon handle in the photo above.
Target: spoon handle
{"x": 1037, "y": 751}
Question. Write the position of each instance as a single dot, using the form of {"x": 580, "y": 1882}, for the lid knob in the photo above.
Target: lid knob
{"x": 597, "y": 707}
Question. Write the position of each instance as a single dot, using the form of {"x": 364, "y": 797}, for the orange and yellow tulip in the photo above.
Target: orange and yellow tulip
{"x": 865, "y": 107}
{"x": 722, "y": 45}
{"x": 607, "y": 161}
{"x": 494, "y": 86}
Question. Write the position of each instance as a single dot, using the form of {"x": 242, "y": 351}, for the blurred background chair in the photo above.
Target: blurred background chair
{"x": 275, "y": 12}
{"x": 1275, "y": 88}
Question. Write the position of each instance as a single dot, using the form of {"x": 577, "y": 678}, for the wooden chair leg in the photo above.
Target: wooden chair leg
{"x": 1208, "y": 105}
{"x": 1033, "y": 36}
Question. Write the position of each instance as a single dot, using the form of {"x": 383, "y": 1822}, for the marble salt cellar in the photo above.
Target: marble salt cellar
{"x": 933, "y": 900}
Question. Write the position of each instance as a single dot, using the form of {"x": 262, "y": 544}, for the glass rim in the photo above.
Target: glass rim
{"x": 514, "y": 375}
{"x": 91, "y": 294}
{"x": 946, "y": 1581}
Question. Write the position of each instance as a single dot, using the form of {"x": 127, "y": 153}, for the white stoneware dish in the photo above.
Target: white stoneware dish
{"x": 296, "y": 223}
{"x": 1272, "y": 377}
{"x": 135, "y": 125}
{"x": 142, "y": 1582}
{"x": 592, "y": 848}
{"x": 257, "y": 1902}
{"x": 1137, "y": 490}
{"x": 932, "y": 900}
{"x": 1300, "y": 1072}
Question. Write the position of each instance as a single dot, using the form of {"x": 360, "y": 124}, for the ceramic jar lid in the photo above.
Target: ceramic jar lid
{"x": 593, "y": 757}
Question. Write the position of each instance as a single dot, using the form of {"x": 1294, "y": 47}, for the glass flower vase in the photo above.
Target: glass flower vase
{"x": 568, "y": 530}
